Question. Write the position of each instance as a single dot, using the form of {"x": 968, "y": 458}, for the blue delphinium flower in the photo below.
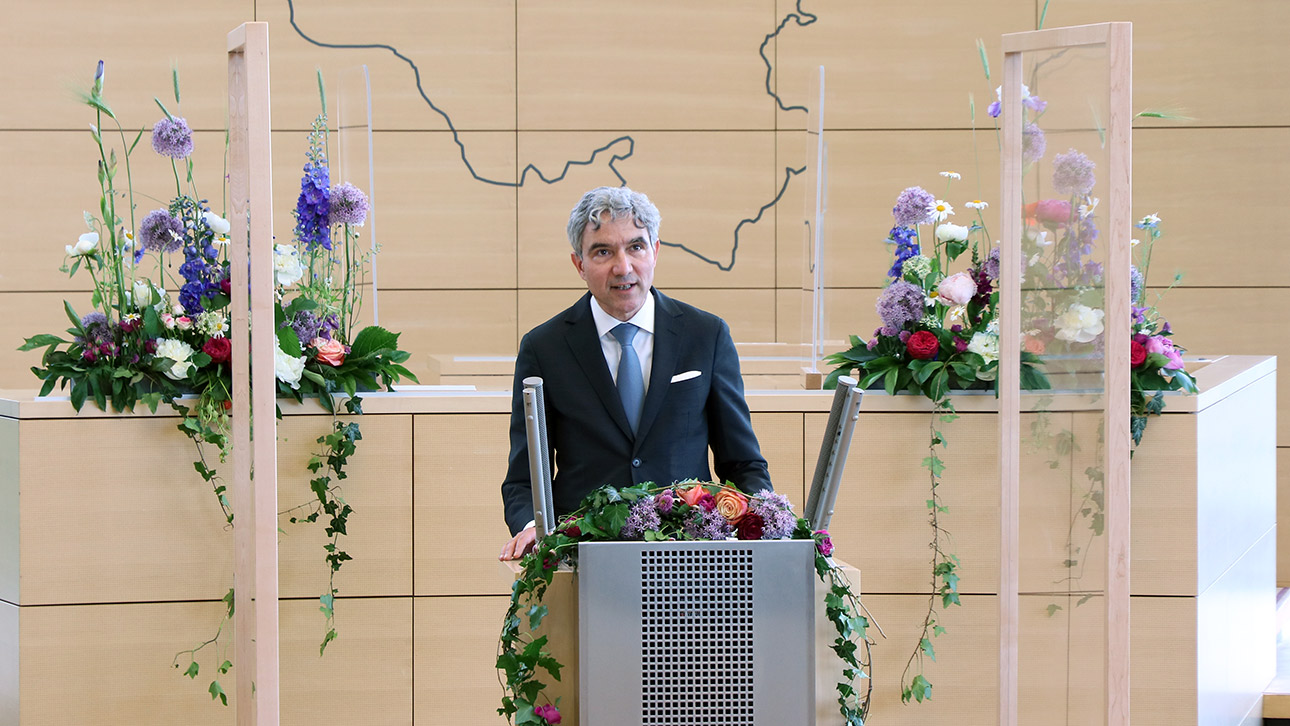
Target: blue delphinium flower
{"x": 906, "y": 247}
{"x": 313, "y": 207}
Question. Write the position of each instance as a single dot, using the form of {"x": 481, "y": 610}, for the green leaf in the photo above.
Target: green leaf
{"x": 919, "y": 689}
{"x": 42, "y": 340}
{"x": 373, "y": 339}
{"x": 76, "y": 319}
{"x": 192, "y": 670}
{"x": 329, "y": 637}
{"x": 289, "y": 342}
{"x": 1053, "y": 608}
{"x": 926, "y": 646}
{"x": 217, "y": 691}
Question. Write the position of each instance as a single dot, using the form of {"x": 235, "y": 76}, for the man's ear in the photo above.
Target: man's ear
{"x": 577, "y": 264}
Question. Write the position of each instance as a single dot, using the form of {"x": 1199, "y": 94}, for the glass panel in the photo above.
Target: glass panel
{"x": 1065, "y": 197}
{"x": 353, "y": 164}
{"x": 814, "y": 205}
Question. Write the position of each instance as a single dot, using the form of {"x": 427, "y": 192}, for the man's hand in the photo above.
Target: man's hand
{"x": 520, "y": 545}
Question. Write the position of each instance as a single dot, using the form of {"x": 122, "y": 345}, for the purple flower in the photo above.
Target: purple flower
{"x": 161, "y": 232}
{"x": 900, "y": 303}
{"x": 97, "y": 329}
{"x": 348, "y": 205}
{"x": 172, "y": 137}
{"x": 707, "y": 524}
{"x": 912, "y": 207}
{"x": 994, "y": 109}
{"x": 548, "y": 713}
{"x": 1033, "y": 144}
{"x": 823, "y": 542}
{"x": 1034, "y": 103}
{"x": 776, "y": 512}
{"x": 906, "y": 246}
{"x": 991, "y": 266}
{"x": 1073, "y": 173}
{"x": 1135, "y": 283}
{"x": 664, "y": 501}
{"x": 307, "y": 325}
{"x": 642, "y": 517}
{"x": 313, "y": 207}
{"x": 960, "y": 344}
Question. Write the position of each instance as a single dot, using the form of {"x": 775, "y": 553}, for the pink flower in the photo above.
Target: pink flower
{"x": 708, "y": 502}
{"x": 330, "y": 351}
{"x": 823, "y": 543}
{"x": 548, "y": 713}
{"x": 184, "y": 322}
{"x": 1053, "y": 211}
{"x": 957, "y": 289}
{"x": 168, "y": 320}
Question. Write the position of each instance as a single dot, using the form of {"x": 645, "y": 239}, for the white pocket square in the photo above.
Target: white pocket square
{"x": 686, "y": 376}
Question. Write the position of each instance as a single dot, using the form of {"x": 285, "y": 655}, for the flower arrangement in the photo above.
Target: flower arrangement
{"x": 685, "y": 511}
{"x": 142, "y": 344}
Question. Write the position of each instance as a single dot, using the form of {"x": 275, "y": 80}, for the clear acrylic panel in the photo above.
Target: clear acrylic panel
{"x": 814, "y": 229}
{"x": 353, "y": 163}
{"x": 1065, "y": 198}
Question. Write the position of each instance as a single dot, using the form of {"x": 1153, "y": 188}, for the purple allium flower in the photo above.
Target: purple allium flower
{"x": 307, "y": 325}
{"x": 1033, "y": 144}
{"x": 776, "y": 512}
{"x": 1135, "y": 283}
{"x": 96, "y": 328}
{"x": 1073, "y": 173}
{"x": 348, "y": 205}
{"x": 902, "y": 302}
{"x": 161, "y": 232}
{"x": 707, "y": 524}
{"x": 313, "y": 207}
{"x": 991, "y": 265}
{"x": 642, "y": 517}
{"x": 906, "y": 246}
{"x": 172, "y": 137}
{"x": 912, "y": 207}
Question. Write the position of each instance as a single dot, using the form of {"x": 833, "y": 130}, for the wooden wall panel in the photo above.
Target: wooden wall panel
{"x": 704, "y": 184}
{"x": 465, "y": 53}
{"x": 457, "y": 506}
{"x": 455, "y": 648}
{"x": 457, "y": 321}
{"x": 71, "y": 546}
{"x": 693, "y": 65}
{"x": 791, "y": 464}
{"x": 57, "y": 49}
{"x": 892, "y": 64}
{"x": 1185, "y": 55}
{"x": 379, "y": 488}
{"x": 365, "y": 675}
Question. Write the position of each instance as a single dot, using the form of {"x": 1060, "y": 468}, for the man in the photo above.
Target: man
{"x": 603, "y": 427}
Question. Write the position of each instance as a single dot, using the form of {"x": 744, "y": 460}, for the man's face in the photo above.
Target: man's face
{"x": 618, "y": 265}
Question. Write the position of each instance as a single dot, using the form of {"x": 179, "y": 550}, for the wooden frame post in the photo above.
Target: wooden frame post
{"x": 255, "y": 465}
{"x": 1118, "y": 39}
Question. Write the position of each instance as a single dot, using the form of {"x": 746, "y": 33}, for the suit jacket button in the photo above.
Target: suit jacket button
{"x": 636, "y": 463}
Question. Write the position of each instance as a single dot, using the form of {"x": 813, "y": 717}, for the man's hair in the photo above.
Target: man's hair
{"x": 619, "y": 202}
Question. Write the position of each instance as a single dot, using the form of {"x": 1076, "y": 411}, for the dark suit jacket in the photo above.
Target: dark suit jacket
{"x": 588, "y": 430}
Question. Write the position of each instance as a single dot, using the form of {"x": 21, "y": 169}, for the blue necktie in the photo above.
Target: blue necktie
{"x": 631, "y": 384}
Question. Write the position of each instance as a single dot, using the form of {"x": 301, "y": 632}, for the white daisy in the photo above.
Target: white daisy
{"x": 952, "y": 175}
{"x": 940, "y": 210}
{"x": 976, "y": 204}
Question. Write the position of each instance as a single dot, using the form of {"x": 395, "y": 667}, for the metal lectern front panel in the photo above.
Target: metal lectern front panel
{"x": 696, "y": 633}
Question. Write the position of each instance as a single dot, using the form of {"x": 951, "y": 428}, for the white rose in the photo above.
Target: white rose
{"x": 1080, "y": 324}
{"x": 142, "y": 294}
{"x": 288, "y": 368}
{"x": 951, "y": 233}
{"x": 218, "y": 224}
{"x": 986, "y": 346}
{"x": 179, "y": 352}
{"x": 287, "y": 267}
{"x": 84, "y": 246}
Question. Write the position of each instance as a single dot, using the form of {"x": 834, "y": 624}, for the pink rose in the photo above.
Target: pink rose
{"x": 692, "y": 494}
{"x": 957, "y": 289}
{"x": 184, "y": 322}
{"x": 732, "y": 505}
{"x": 548, "y": 713}
{"x": 168, "y": 320}
{"x": 330, "y": 351}
{"x": 1053, "y": 211}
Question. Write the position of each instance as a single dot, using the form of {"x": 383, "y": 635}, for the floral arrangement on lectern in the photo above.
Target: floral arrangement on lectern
{"x": 140, "y": 343}
{"x": 680, "y": 512}
{"x": 939, "y": 329}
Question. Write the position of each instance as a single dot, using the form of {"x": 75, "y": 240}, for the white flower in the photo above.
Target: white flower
{"x": 1039, "y": 237}
{"x": 84, "y": 246}
{"x": 1150, "y": 220}
{"x": 1080, "y": 323}
{"x": 951, "y": 233}
{"x": 141, "y": 295}
{"x": 956, "y": 315}
{"x": 975, "y": 204}
{"x": 177, "y": 310}
{"x": 918, "y": 266}
{"x": 1135, "y": 242}
{"x": 179, "y": 352}
{"x": 218, "y": 224}
{"x": 985, "y": 345}
{"x": 212, "y": 324}
{"x": 952, "y": 175}
{"x": 288, "y": 368}
{"x": 1085, "y": 210}
{"x": 287, "y": 267}
{"x": 940, "y": 210}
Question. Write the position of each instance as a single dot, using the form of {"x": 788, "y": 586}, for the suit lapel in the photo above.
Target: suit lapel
{"x": 585, "y": 346}
{"x": 668, "y": 327}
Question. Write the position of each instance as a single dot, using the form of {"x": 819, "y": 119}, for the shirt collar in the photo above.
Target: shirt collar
{"x": 643, "y": 319}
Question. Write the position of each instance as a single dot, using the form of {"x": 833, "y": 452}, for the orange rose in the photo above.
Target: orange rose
{"x": 732, "y": 505}
{"x": 331, "y": 352}
{"x": 1034, "y": 345}
{"x": 692, "y": 494}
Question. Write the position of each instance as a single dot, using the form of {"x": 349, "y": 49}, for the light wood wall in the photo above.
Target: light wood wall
{"x": 679, "y": 89}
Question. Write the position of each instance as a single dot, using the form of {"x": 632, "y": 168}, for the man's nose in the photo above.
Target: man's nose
{"x": 622, "y": 264}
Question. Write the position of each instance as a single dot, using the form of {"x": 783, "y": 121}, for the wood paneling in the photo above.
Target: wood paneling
{"x": 858, "y": 43}
{"x": 454, "y": 651}
{"x": 675, "y": 64}
{"x": 461, "y": 321}
{"x": 378, "y": 487}
{"x": 781, "y": 439}
{"x": 458, "y": 503}
{"x": 463, "y": 55}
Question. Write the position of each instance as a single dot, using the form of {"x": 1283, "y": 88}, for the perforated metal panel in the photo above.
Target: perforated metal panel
{"x": 696, "y": 633}
{"x": 699, "y": 673}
